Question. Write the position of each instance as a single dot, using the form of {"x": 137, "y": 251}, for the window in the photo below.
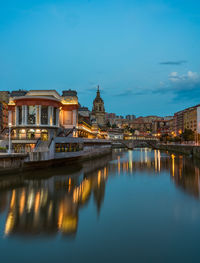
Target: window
{"x": 54, "y": 116}
{"x": 44, "y": 115}
{"x": 44, "y": 135}
{"x": 31, "y": 134}
{"x": 67, "y": 147}
{"x": 20, "y": 115}
{"x": 31, "y": 115}
{"x": 22, "y": 134}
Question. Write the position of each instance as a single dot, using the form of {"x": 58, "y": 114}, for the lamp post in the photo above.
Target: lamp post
{"x": 9, "y": 132}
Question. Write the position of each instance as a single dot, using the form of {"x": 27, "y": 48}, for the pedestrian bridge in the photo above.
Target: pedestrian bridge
{"x": 136, "y": 142}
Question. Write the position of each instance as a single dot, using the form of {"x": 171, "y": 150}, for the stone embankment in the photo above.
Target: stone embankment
{"x": 191, "y": 150}
{"x": 19, "y": 162}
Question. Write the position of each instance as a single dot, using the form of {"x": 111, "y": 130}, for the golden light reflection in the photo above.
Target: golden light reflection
{"x": 145, "y": 153}
{"x": 155, "y": 158}
{"x": 82, "y": 191}
{"x": 130, "y": 155}
{"x": 37, "y": 202}
{"x": 69, "y": 224}
{"x": 60, "y": 215}
{"x": 105, "y": 172}
{"x": 13, "y": 199}
{"x": 9, "y": 223}
{"x": 118, "y": 164}
{"x": 99, "y": 177}
{"x": 159, "y": 160}
{"x": 173, "y": 157}
{"x": 22, "y": 202}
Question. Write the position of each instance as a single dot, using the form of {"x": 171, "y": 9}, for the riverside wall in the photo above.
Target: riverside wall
{"x": 191, "y": 150}
{"x": 20, "y": 162}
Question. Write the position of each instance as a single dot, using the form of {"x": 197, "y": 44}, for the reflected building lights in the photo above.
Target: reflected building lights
{"x": 37, "y": 202}
{"x": 130, "y": 156}
{"x": 49, "y": 206}
{"x": 145, "y": 153}
{"x": 155, "y": 159}
{"x": 118, "y": 164}
{"x": 159, "y": 160}
{"x": 13, "y": 199}
{"x": 173, "y": 157}
{"x": 9, "y": 223}
{"x": 22, "y": 202}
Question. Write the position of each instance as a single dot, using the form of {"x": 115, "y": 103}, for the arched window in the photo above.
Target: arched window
{"x": 44, "y": 135}
{"x": 31, "y": 134}
{"x": 22, "y": 134}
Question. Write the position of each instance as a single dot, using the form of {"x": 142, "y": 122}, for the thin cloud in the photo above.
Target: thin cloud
{"x": 131, "y": 92}
{"x": 183, "y": 87}
{"x": 175, "y": 63}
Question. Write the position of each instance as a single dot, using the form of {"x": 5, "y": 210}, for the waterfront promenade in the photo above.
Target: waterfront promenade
{"x": 49, "y": 157}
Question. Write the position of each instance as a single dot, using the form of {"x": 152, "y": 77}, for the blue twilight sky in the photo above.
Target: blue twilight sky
{"x": 145, "y": 55}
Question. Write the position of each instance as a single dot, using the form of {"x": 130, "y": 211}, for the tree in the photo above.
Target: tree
{"x": 114, "y": 126}
{"x": 108, "y": 124}
{"x": 188, "y": 135}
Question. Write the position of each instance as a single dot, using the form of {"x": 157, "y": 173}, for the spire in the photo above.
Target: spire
{"x": 98, "y": 92}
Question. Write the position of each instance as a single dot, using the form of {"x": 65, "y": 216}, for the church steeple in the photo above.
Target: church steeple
{"x": 98, "y": 110}
{"x": 98, "y": 92}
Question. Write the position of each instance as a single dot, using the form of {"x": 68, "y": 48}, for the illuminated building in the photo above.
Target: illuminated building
{"x": 41, "y": 114}
{"x": 98, "y": 110}
{"x": 187, "y": 119}
{"x": 192, "y": 119}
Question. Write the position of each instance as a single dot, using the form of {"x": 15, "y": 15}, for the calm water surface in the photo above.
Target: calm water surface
{"x": 133, "y": 206}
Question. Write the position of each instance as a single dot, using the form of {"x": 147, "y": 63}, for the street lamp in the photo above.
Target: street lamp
{"x": 9, "y": 132}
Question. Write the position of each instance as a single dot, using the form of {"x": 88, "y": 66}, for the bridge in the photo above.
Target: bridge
{"x": 136, "y": 142}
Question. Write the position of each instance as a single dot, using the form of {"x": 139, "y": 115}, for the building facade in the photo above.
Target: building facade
{"x": 191, "y": 119}
{"x": 41, "y": 114}
{"x": 4, "y": 96}
{"x": 187, "y": 119}
{"x": 4, "y": 99}
{"x": 179, "y": 122}
{"x": 3, "y": 115}
{"x": 130, "y": 117}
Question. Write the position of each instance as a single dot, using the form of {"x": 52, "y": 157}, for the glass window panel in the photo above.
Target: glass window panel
{"x": 31, "y": 114}
{"x": 20, "y": 114}
{"x": 44, "y": 115}
{"x": 54, "y": 116}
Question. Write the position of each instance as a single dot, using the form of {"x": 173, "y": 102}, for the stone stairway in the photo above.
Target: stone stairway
{"x": 43, "y": 146}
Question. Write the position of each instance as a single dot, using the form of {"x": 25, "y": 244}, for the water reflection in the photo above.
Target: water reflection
{"x": 49, "y": 203}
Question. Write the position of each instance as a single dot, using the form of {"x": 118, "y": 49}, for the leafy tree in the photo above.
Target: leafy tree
{"x": 114, "y": 126}
{"x": 108, "y": 124}
{"x": 188, "y": 135}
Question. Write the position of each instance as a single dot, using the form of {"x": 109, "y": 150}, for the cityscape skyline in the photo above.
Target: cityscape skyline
{"x": 142, "y": 54}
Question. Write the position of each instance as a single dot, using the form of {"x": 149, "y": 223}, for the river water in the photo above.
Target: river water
{"x": 131, "y": 206}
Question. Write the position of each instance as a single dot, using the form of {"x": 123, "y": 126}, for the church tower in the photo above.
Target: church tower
{"x": 98, "y": 110}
